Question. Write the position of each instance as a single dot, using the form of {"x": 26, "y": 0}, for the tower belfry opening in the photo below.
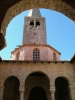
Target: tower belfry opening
{"x": 37, "y": 23}
{"x": 34, "y": 23}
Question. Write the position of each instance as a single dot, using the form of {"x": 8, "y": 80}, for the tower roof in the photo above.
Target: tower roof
{"x": 34, "y": 13}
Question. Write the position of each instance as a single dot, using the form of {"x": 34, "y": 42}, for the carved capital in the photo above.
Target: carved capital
{"x": 22, "y": 90}
{"x": 52, "y": 90}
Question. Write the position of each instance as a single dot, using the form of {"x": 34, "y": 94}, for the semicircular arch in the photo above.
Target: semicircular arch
{"x": 5, "y": 78}
{"x": 23, "y": 5}
{"x": 64, "y": 77}
{"x": 38, "y": 71}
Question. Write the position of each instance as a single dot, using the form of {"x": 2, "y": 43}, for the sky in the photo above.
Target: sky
{"x": 60, "y": 31}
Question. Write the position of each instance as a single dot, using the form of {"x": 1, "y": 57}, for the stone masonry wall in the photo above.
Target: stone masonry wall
{"x": 34, "y": 34}
{"x": 52, "y": 70}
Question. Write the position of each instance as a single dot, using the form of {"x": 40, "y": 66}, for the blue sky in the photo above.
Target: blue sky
{"x": 60, "y": 32}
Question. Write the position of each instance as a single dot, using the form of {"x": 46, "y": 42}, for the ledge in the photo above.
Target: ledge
{"x": 23, "y": 61}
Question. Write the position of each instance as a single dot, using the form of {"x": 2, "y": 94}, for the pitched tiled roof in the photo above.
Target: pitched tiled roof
{"x": 72, "y": 59}
{"x": 27, "y": 45}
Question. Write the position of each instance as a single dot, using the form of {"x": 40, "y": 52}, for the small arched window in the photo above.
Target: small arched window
{"x": 32, "y": 23}
{"x": 17, "y": 56}
{"x": 36, "y": 55}
{"x": 54, "y": 56}
{"x": 37, "y": 23}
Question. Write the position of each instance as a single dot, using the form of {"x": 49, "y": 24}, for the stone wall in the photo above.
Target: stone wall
{"x": 34, "y": 34}
{"x": 52, "y": 70}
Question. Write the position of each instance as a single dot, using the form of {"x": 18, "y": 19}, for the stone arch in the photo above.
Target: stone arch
{"x": 7, "y": 76}
{"x": 23, "y": 5}
{"x": 2, "y": 41}
{"x": 11, "y": 88}
{"x": 39, "y": 71}
{"x": 36, "y": 79}
{"x": 65, "y": 77}
{"x": 62, "y": 89}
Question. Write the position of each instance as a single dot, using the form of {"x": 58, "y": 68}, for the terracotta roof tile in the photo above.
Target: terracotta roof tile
{"x": 27, "y": 45}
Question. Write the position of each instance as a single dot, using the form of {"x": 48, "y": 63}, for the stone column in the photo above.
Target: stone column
{"x": 1, "y": 92}
{"x": 52, "y": 91}
{"x": 21, "y": 93}
{"x": 34, "y": 23}
{"x": 72, "y": 92}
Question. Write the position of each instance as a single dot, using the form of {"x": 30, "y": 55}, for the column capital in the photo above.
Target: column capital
{"x": 21, "y": 90}
{"x": 21, "y": 93}
{"x": 72, "y": 86}
{"x": 52, "y": 89}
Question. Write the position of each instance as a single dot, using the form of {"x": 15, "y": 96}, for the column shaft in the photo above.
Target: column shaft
{"x": 52, "y": 91}
{"x": 34, "y": 23}
{"x": 21, "y": 94}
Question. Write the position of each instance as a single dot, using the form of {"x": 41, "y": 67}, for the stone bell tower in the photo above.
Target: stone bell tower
{"x": 34, "y": 28}
{"x": 35, "y": 33}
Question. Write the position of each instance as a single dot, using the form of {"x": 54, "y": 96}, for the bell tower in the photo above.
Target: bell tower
{"x": 34, "y": 28}
{"x": 35, "y": 33}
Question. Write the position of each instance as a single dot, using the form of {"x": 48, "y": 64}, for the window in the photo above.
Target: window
{"x": 17, "y": 56}
{"x": 36, "y": 55}
{"x": 54, "y": 57}
{"x": 37, "y": 23}
{"x": 32, "y": 23}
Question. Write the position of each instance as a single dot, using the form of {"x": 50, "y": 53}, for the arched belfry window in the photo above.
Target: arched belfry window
{"x": 31, "y": 22}
{"x": 37, "y": 23}
{"x": 54, "y": 56}
{"x": 36, "y": 55}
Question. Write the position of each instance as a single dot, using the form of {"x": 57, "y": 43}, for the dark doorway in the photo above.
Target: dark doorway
{"x": 62, "y": 89}
{"x": 11, "y": 89}
{"x": 37, "y": 93}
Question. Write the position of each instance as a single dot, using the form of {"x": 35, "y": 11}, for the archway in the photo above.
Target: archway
{"x": 19, "y": 7}
{"x": 37, "y": 93}
{"x": 11, "y": 89}
{"x": 35, "y": 82}
{"x": 62, "y": 89}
